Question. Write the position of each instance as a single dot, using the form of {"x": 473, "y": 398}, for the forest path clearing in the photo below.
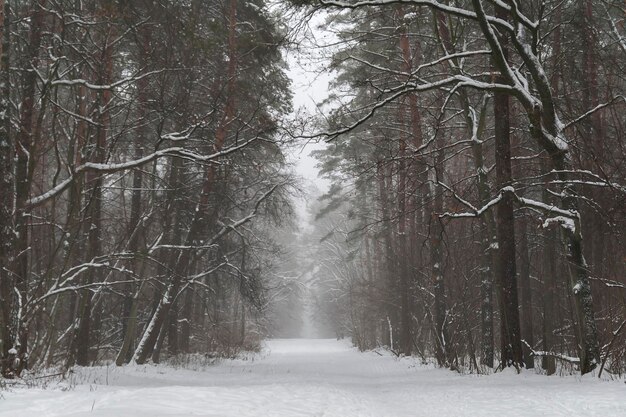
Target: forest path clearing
{"x": 315, "y": 377}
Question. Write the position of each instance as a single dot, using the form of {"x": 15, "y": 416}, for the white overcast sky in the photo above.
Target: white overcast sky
{"x": 310, "y": 89}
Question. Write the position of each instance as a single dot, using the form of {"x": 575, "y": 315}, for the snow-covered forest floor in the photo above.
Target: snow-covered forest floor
{"x": 312, "y": 377}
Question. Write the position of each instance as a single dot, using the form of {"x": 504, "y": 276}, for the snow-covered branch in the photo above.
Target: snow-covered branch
{"x": 100, "y": 87}
{"x": 563, "y": 217}
{"x": 123, "y": 166}
{"x": 595, "y": 109}
{"x": 436, "y": 5}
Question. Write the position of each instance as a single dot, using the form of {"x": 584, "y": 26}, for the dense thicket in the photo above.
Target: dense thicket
{"x": 140, "y": 178}
{"x": 477, "y": 153}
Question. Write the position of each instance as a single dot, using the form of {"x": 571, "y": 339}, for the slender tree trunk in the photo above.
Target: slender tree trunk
{"x": 476, "y": 123}
{"x": 94, "y": 208}
{"x": 592, "y": 128}
{"x": 545, "y": 125}
{"x": 443, "y": 351}
{"x": 511, "y": 345}
{"x": 23, "y": 179}
{"x": 417, "y": 170}
{"x": 549, "y": 285}
{"x": 7, "y": 191}
{"x": 526, "y": 297}
{"x": 390, "y": 307}
{"x": 486, "y": 295}
{"x": 75, "y": 217}
{"x": 129, "y": 320}
{"x": 402, "y": 254}
{"x": 589, "y": 347}
{"x": 549, "y": 267}
{"x": 172, "y": 334}
{"x": 369, "y": 315}
{"x": 185, "y": 331}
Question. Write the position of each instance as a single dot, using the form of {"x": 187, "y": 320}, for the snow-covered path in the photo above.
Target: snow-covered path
{"x": 303, "y": 377}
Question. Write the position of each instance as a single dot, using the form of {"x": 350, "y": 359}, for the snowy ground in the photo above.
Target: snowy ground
{"x": 304, "y": 377}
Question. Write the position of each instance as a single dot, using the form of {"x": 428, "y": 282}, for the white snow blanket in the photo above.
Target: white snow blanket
{"x": 309, "y": 377}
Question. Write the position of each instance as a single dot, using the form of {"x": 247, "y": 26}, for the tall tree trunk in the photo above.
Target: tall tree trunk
{"x": 526, "y": 297}
{"x": 389, "y": 322}
{"x": 75, "y": 216}
{"x": 23, "y": 180}
{"x": 593, "y": 130}
{"x": 417, "y": 170}
{"x": 549, "y": 267}
{"x": 548, "y": 362}
{"x": 476, "y": 126}
{"x": 511, "y": 345}
{"x": 443, "y": 347}
{"x": 129, "y": 320}
{"x": 572, "y": 231}
{"x": 94, "y": 208}
{"x": 549, "y": 132}
{"x": 486, "y": 295}
{"x": 7, "y": 191}
{"x": 589, "y": 347}
{"x": 402, "y": 254}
